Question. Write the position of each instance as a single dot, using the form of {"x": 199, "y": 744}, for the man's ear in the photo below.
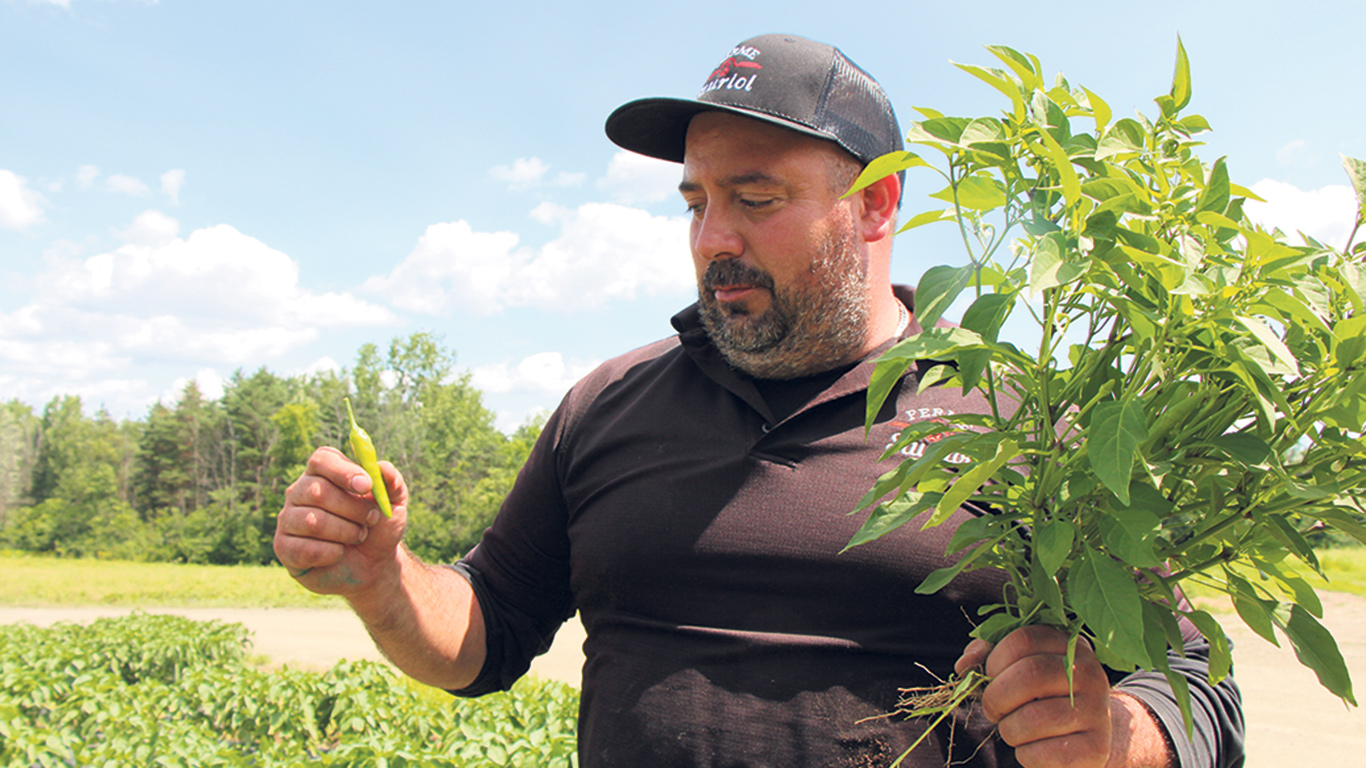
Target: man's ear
{"x": 877, "y": 208}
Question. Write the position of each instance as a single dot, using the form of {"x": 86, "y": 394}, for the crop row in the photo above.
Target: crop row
{"x": 164, "y": 690}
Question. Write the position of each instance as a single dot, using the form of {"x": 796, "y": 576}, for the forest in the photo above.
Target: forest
{"x": 201, "y": 480}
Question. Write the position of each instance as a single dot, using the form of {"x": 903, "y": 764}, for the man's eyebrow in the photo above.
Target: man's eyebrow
{"x": 738, "y": 180}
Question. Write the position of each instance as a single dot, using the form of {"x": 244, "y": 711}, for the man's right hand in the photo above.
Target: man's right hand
{"x": 331, "y": 535}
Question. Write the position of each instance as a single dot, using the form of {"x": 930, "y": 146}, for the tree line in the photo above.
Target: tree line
{"x": 202, "y": 480}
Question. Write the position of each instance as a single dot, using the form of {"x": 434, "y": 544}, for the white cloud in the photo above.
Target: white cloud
{"x": 528, "y": 172}
{"x": 151, "y": 228}
{"x": 19, "y": 205}
{"x": 86, "y": 175}
{"x": 1326, "y": 214}
{"x": 216, "y": 297}
{"x": 524, "y": 172}
{"x": 209, "y": 381}
{"x": 171, "y": 182}
{"x": 127, "y": 185}
{"x": 1292, "y": 153}
{"x": 634, "y": 179}
{"x": 544, "y": 372}
{"x": 604, "y": 252}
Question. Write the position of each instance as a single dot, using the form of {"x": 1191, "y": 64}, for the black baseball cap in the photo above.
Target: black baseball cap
{"x": 800, "y": 84}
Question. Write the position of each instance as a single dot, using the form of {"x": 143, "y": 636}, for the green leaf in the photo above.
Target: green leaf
{"x": 1356, "y": 171}
{"x": 1125, "y": 138}
{"x": 1221, "y": 652}
{"x": 988, "y": 313}
{"x": 1062, "y": 164}
{"x": 971, "y": 481}
{"x": 1025, "y": 66}
{"x": 1106, "y": 598}
{"x": 886, "y": 165}
{"x": 1053, "y": 542}
{"x": 1130, "y": 530}
{"x": 1315, "y": 648}
{"x": 1048, "y": 267}
{"x": 1046, "y": 589}
{"x": 1117, "y": 429}
{"x": 1347, "y": 519}
{"x": 1216, "y": 194}
{"x": 1268, "y": 338}
{"x": 1181, "y": 687}
{"x": 995, "y": 628}
{"x": 1181, "y": 78}
{"x": 1244, "y": 447}
{"x": 998, "y": 80}
{"x": 1256, "y": 612}
{"x": 928, "y": 217}
{"x": 933, "y": 344}
{"x": 974, "y": 193}
{"x": 1099, "y": 109}
{"x": 939, "y": 287}
{"x": 891, "y": 515}
{"x": 937, "y": 130}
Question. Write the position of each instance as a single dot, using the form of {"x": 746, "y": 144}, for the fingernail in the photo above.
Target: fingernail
{"x": 372, "y": 518}
{"x": 363, "y": 533}
{"x": 360, "y": 483}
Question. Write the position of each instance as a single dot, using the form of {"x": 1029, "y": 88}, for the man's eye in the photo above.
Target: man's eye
{"x": 695, "y": 208}
{"x": 754, "y": 203}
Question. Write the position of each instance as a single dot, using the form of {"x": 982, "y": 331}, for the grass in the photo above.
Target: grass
{"x": 35, "y": 581}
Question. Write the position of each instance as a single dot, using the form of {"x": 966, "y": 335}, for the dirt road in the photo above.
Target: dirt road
{"x": 1291, "y": 719}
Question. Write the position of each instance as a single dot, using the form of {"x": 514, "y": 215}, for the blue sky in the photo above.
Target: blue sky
{"x": 189, "y": 188}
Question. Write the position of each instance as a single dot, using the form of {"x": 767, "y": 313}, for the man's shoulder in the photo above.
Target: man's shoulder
{"x": 640, "y": 362}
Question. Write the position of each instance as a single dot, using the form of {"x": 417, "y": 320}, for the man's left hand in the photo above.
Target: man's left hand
{"x": 1049, "y": 723}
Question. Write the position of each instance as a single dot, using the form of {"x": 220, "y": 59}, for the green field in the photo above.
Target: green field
{"x": 50, "y": 581}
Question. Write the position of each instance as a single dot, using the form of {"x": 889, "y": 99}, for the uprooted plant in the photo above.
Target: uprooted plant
{"x": 1195, "y": 405}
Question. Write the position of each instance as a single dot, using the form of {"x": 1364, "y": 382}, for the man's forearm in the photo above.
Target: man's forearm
{"x": 1137, "y": 739}
{"x": 426, "y": 621}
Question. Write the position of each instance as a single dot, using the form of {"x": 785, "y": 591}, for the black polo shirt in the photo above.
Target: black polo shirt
{"x": 699, "y": 535}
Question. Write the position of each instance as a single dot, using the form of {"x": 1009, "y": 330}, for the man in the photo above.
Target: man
{"x": 689, "y": 498}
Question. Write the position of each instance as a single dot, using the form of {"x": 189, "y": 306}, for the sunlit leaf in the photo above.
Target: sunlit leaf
{"x": 1181, "y": 78}
{"x": 1268, "y": 337}
{"x": 975, "y": 193}
{"x": 886, "y": 165}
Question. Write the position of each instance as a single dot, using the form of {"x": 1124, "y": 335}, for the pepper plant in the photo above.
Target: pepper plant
{"x": 1195, "y": 405}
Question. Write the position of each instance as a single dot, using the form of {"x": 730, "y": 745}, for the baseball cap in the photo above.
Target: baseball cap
{"x": 809, "y": 87}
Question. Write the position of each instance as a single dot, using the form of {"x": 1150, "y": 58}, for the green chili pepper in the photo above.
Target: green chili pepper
{"x": 364, "y": 450}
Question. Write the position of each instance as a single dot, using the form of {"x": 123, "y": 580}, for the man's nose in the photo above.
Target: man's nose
{"x": 715, "y": 236}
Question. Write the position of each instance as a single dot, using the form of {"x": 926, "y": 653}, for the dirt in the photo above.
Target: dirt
{"x": 1291, "y": 719}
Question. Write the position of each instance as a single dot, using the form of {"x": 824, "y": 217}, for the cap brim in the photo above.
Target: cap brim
{"x": 658, "y": 127}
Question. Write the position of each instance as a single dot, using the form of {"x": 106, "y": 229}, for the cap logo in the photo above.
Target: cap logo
{"x": 727, "y": 77}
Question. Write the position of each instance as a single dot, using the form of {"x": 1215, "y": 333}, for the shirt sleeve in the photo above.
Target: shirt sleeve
{"x": 1216, "y": 740}
{"x": 520, "y": 570}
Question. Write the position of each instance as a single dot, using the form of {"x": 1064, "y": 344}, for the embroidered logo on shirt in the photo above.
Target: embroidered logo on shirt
{"x": 917, "y": 449}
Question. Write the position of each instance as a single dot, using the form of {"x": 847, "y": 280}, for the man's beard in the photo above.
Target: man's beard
{"x": 808, "y": 328}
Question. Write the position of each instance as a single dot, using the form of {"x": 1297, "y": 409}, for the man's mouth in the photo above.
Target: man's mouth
{"x": 730, "y": 281}
{"x": 733, "y": 292}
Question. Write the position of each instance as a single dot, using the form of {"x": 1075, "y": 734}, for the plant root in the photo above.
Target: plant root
{"x": 937, "y": 701}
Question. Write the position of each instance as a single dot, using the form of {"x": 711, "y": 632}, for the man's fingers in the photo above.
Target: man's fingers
{"x": 1037, "y": 677}
{"x": 318, "y": 523}
{"x": 319, "y": 492}
{"x": 1032, "y": 641}
{"x": 974, "y": 657}
{"x": 301, "y": 554}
